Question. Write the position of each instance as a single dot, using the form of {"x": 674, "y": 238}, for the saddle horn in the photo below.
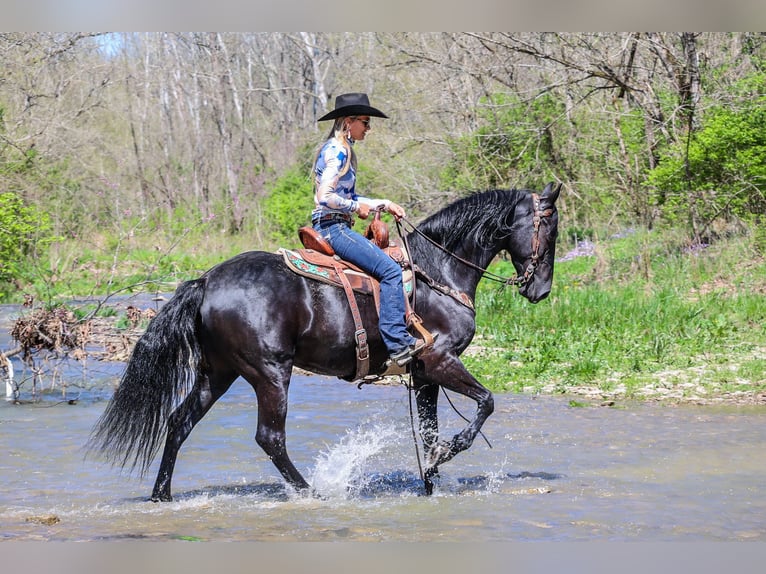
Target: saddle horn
{"x": 377, "y": 231}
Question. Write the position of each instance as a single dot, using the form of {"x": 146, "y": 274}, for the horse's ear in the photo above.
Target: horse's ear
{"x": 551, "y": 194}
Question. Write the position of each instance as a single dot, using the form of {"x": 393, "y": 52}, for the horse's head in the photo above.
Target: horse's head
{"x": 533, "y": 245}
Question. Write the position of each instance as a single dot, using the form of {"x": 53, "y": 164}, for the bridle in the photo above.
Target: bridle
{"x": 518, "y": 280}
{"x": 536, "y": 219}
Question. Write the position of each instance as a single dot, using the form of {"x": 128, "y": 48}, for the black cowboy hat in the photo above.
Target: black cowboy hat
{"x": 356, "y": 104}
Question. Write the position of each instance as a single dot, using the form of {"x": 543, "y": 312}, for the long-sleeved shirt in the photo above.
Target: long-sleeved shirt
{"x": 335, "y": 193}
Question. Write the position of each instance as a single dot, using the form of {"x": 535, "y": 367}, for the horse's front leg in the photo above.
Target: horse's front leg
{"x": 445, "y": 451}
{"x": 426, "y": 399}
{"x": 449, "y": 372}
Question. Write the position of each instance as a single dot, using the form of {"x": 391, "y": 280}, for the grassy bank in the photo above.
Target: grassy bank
{"x": 105, "y": 264}
{"x": 640, "y": 316}
{"x": 634, "y": 317}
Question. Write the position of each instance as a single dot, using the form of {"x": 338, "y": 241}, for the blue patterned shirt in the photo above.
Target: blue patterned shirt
{"x": 335, "y": 194}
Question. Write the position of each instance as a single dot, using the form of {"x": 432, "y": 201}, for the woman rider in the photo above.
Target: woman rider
{"x": 336, "y": 201}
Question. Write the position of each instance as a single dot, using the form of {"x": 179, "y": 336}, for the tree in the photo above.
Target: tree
{"x": 153, "y": 132}
{"x": 517, "y": 142}
{"x": 720, "y": 172}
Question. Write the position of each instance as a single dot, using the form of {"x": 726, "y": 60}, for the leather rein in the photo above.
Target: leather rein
{"x": 518, "y": 280}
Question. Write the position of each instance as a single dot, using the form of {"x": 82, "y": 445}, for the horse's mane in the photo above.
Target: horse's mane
{"x": 481, "y": 217}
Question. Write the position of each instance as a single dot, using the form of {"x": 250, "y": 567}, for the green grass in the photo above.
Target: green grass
{"x": 642, "y": 314}
{"x": 146, "y": 263}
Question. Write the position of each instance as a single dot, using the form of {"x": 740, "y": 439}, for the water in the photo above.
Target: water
{"x": 642, "y": 472}
{"x": 554, "y": 473}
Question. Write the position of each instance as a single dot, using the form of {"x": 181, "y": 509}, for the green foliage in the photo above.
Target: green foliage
{"x": 288, "y": 204}
{"x": 754, "y": 45}
{"x": 90, "y": 310}
{"x": 24, "y": 233}
{"x": 44, "y": 183}
{"x": 516, "y": 142}
{"x": 607, "y": 326}
{"x": 721, "y": 170}
{"x": 759, "y": 235}
{"x": 63, "y": 194}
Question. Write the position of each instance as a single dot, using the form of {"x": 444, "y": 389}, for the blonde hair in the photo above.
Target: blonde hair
{"x": 339, "y": 131}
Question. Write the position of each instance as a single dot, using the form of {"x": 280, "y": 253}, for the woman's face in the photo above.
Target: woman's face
{"x": 358, "y": 126}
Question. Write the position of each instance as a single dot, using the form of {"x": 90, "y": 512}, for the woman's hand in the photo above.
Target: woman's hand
{"x": 362, "y": 210}
{"x": 396, "y": 210}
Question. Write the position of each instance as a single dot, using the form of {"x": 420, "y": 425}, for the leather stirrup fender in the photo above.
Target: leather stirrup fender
{"x": 360, "y": 334}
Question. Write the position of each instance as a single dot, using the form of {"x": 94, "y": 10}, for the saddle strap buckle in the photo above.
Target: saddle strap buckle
{"x": 362, "y": 348}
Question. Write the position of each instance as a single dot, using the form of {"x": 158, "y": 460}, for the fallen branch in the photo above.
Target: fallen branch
{"x": 5, "y": 355}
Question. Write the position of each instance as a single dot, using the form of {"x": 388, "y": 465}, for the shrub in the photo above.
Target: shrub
{"x": 289, "y": 205}
{"x": 25, "y": 232}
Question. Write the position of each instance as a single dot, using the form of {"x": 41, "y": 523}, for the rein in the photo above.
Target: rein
{"x": 520, "y": 281}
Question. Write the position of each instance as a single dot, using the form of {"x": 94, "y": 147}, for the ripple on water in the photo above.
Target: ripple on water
{"x": 554, "y": 473}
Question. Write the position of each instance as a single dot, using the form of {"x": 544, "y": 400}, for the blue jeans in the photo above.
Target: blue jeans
{"x": 355, "y": 248}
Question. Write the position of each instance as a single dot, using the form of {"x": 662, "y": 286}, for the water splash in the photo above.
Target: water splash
{"x": 341, "y": 470}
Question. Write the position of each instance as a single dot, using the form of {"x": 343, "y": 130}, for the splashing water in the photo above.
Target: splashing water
{"x": 340, "y": 471}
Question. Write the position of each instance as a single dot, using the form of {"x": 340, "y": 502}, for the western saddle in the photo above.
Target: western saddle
{"x": 318, "y": 261}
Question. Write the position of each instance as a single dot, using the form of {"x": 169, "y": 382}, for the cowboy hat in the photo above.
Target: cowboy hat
{"x": 356, "y": 104}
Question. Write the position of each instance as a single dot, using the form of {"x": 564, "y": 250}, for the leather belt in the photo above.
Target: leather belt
{"x": 332, "y": 217}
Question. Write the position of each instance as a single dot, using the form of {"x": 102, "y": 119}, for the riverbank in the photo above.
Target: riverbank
{"x": 111, "y": 338}
{"x": 699, "y": 385}
{"x": 640, "y": 316}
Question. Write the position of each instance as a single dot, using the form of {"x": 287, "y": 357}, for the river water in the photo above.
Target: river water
{"x": 633, "y": 472}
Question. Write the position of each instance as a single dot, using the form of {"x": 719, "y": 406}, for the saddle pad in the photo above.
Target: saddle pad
{"x": 318, "y": 266}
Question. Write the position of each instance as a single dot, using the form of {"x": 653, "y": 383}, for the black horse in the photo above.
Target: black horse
{"x": 251, "y": 316}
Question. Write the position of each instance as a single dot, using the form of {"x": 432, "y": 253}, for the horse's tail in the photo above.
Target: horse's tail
{"x": 159, "y": 374}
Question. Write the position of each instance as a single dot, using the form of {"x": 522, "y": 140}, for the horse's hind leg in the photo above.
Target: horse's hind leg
{"x": 205, "y": 392}
{"x": 271, "y": 392}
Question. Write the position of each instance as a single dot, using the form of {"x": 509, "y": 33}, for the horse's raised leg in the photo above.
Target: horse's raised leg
{"x": 450, "y": 373}
{"x": 202, "y": 396}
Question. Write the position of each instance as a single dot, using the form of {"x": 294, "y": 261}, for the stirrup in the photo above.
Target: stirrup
{"x": 407, "y": 354}
{"x": 403, "y": 357}
{"x": 417, "y": 322}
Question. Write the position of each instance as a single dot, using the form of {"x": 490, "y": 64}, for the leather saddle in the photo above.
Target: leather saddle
{"x": 377, "y": 232}
{"x": 318, "y": 261}
{"x": 315, "y": 264}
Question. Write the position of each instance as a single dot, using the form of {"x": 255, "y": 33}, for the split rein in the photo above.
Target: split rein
{"x": 518, "y": 280}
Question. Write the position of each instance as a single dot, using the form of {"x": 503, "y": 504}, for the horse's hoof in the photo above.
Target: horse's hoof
{"x": 428, "y": 483}
{"x": 161, "y": 498}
